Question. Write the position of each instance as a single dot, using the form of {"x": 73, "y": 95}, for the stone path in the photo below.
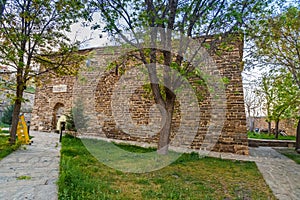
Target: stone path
{"x": 281, "y": 173}
{"x": 32, "y": 171}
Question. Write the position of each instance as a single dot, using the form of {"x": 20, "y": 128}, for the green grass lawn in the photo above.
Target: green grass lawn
{"x": 5, "y": 147}
{"x": 290, "y": 153}
{"x": 82, "y": 176}
{"x": 269, "y": 137}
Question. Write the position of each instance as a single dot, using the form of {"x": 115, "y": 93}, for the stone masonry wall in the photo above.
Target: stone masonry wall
{"x": 288, "y": 125}
{"x": 46, "y": 101}
{"x": 95, "y": 89}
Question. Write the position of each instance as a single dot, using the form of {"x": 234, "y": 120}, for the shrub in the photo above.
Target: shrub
{"x": 70, "y": 124}
{"x": 76, "y": 115}
{"x": 7, "y": 115}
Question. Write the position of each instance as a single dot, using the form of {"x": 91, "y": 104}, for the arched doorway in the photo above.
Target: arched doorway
{"x": 58, "y": 111}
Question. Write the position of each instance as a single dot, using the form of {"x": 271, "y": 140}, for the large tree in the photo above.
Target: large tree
{"x": 33, "y": 42}
{"x": 280, "y": 97}
{"x": 277, "y": 45}
{"x": 190, "y": 18}
{"x": 268, "y": 94}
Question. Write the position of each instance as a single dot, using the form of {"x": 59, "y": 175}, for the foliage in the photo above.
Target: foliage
{"x": 7, "y": 115}
{"x": 76, "y": 120}
{"x": 277, "y": 45}
{"x": 5, "y": 147}
{"x": 30, "y": 89}
{"x": 284, "y": 95}
{"x": 33, "y": 43}
{"x": 3, "y": 131}
{"x": 3, "y": 125}
{"x": 83, "y": 177}
{"x": 253, "y": 103}
{"x": 268, "y": 94}
{"x": 70, "y": 124}
{"x": 281, "y": 96}
{"x": 277, "y": 42}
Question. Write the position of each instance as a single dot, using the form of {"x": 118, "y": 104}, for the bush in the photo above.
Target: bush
{"x": 7, "y": 115}
{"x": 70, "y": 124}
{"x": 76, "y": 115}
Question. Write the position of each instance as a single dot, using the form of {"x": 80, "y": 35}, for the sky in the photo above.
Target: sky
{"x": 91, "y": 38}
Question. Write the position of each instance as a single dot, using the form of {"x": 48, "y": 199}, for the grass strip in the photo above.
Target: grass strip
{"x": 5, "y": 147}
{"x": 290, "y": 153}
{"x": 266, "y": 136}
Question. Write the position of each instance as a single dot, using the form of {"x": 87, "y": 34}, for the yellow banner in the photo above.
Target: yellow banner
{"x": 22, "y": 131}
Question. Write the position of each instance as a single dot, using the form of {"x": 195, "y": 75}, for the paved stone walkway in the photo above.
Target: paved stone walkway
{"x": 32, "y": 173}
{"x": 281, "y": 173}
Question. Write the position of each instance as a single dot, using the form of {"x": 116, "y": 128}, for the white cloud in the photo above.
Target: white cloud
{"x": 90, "y": 38}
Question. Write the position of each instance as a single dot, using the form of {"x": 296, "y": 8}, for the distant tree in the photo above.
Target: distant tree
{"x": 252, "y": 105}
{"x": 7, "y": 115}
{"x": 33, "y": 43}
{"x": 277, "y": 45}
{"x": 268, "y": 95}
{"x": 287, "y": 97}
{"x": 281, "y": 97}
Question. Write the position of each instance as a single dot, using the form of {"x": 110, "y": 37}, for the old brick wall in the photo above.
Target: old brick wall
{"x": 288, "y": 125}
{"x": 46, "y": 101}
{"x": 94, "y": 88}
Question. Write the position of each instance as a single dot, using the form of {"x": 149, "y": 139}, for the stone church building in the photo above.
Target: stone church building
{"x": 94, "y": 91}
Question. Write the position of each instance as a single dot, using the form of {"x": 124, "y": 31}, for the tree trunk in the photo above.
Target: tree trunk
{"x": 298, "y": 136}
{"x": 17, "y": 109}
{"x": 251, "y": 121}
{"x": 276, "y": 129}
{"x": 269, "y": 127}
{"x": 14, "y": 123}
{"x": 164, "y": 138}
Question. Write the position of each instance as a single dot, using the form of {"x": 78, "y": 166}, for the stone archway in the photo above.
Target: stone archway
{"x": 58, "y": 111}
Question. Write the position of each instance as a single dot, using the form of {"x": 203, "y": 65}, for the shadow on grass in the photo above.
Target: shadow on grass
{"x": 82, "y": 176}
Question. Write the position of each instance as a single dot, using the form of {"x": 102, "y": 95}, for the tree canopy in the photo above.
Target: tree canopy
{"x": 34, "y": 42}
{"x": 277, "y": 46}
{"x": 281, "y": 97}
{"x": 277, "y": 42}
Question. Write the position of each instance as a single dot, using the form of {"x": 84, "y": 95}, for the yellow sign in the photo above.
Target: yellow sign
{"x": 22, "y": 131}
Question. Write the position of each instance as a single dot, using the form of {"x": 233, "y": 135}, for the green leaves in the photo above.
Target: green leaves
{"x": 281, "y": 95}
{"x": 32, "y": 29}
{"x": 7, "y": 115}
{"x": 277, "y": 41}
{"x": 33, "y": 42}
